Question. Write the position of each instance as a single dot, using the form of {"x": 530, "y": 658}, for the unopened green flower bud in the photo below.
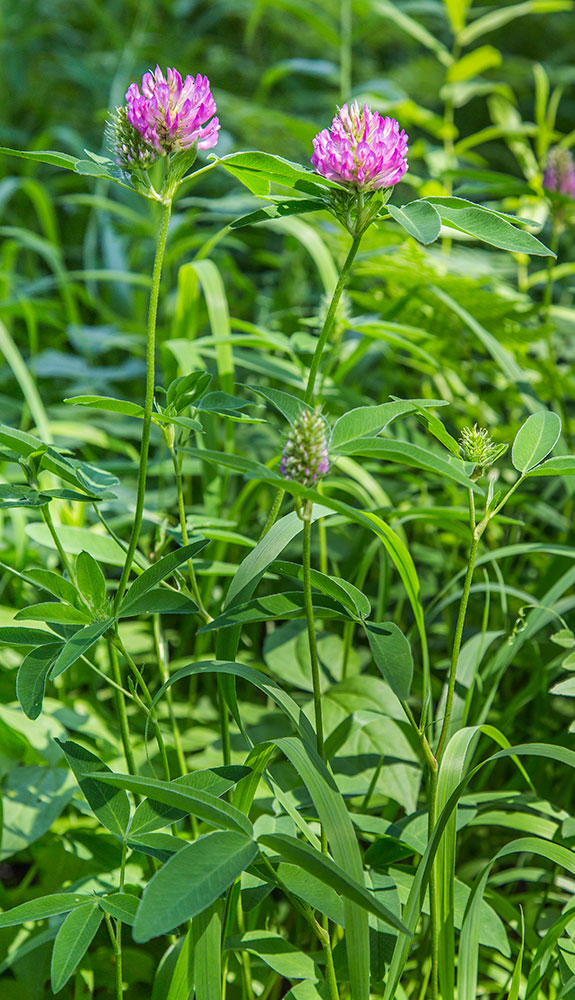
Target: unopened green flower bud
{"x": 127, "y": 144}
{"x": 478, "y": 446}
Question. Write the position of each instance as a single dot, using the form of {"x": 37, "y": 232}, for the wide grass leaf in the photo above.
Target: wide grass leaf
{"x": 191, "y": 881}
{"x": 297, "y": 852}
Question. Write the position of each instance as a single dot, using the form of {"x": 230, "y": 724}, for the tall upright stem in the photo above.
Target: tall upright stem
{"x": 311, "y": 632}
{"x": 457, "y": 644}
{"x": 329, "y": 319}
{"x": 149, "y": 399}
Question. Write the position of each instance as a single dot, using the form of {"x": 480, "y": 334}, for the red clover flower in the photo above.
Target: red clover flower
{"x": 361, "y": 149}
{"x": 172, "y": 114}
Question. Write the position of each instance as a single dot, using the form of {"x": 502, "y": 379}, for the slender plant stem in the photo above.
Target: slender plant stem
{"x": 434, "y": 901}
{"x": 51, "y": 528}
{"x": 149, "y": 703}
{"x": 457, "y": 644}
{"x": 224, "y": 726}
{"x": 165, "y": 675}
{"x": 274, "y": 511}
{"x": 311, "y": 632}
{"x": 121, "y": 708}
{"x": 116, "y": 939}
{"x": 185, "y": 538}
{"x": 330, "y": 317}
{"x": 149, "y": 400}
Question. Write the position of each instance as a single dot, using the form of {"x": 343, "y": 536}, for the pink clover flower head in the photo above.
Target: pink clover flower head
{"x": 172, "y": 114}
{"x": 305, "y": 458}
{"x": 362, "y": 149}
{"x": 559, "y": 173}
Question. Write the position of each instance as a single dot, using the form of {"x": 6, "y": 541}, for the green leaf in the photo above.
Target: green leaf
{"x": 535, "y": 439}
{"x": 420, "y": 219}
{"x": 110, "y": 805}
{"x": 253, "y": 567}
{"x": 199, "y": 803}
{"x": 297, "y": 852}
{"x": 43, "y": 156}
{"x": 55, "y": 584}
{"x": 278, "y": 210}
{"x": 289, "y": 406}
{"x": 152, "y": 815}
{"x": 258, "y": 170}
{"x": 72, "y": 942}
{"x": 32, "y": 676}
{"x": 12, "y": 636}
{"x": 41, "y": 909}
{"x": 192, "y": 880}
{"x": 53, "y": 611}
{"x": 351, "y": 597}
{"x": 160, "y": 602}
{"x": 367, "y": 421}
{"x": 490, "y": 227}
{"x": 91, "y": 581}
{"x": 392, "y": 654}
{"x": 503, "y": 15}
{"x": 79, "y": 645}
{"x": 405, "y": 453}
{"x": 277, "y": 953}
{"x": 473, "y": 63}
{"x": 120, "y": 905}
{"x": 159, "y": 571}
{"x": 413, "y": 27}
{"x": 559, "y": 465}
{"x": 109, "y": 403}
{"x": 285, "y": 607}
{"x": 21, "y": 496}
{"x": 75, "y": 540}
{"x": 206, "y": 948}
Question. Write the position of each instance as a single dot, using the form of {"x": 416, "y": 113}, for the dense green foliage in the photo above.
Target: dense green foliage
{"x": 168, "y": 823}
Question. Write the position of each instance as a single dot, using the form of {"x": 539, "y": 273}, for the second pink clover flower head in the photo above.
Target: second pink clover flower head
{"x": 559, "y": 173}
{"x": 172, "y": 114}
{"x": 362, "y": 149}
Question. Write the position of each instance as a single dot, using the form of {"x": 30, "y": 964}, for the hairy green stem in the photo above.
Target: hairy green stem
{"x": 149, "y": 400}
{"x": 273, "y": 514}
{"x": 330, "y": 317}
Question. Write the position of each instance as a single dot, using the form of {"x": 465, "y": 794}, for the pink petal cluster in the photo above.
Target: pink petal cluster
{"x": 362, "y": 149}
{"x": 172, "y": 114}
{"x": 560, "y": 172}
